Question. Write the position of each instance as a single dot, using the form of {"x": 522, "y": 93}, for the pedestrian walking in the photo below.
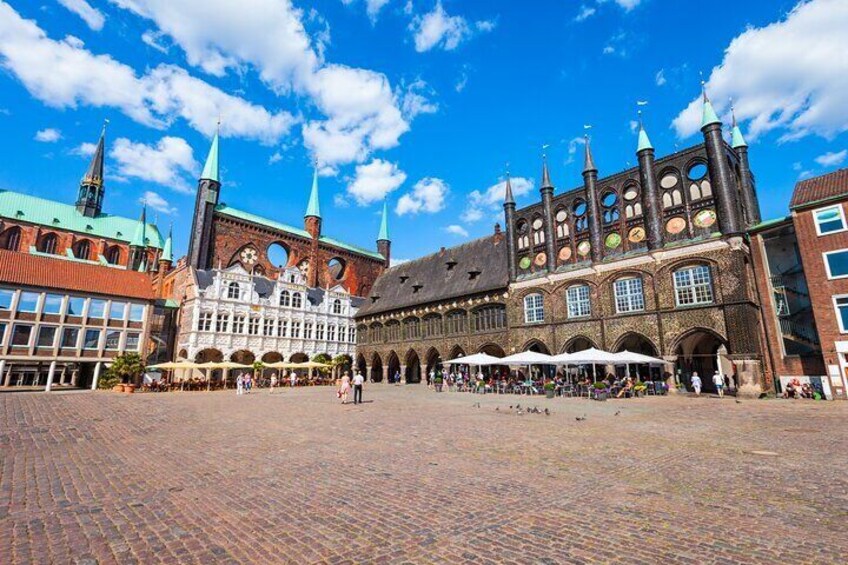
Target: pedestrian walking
{"x": 344, "y": 388}
{"x": 248, "y": 383}
{"x": 293, "y": 379}
{"x": 273, "y": 382}
{"x": 397, "y": 377}
{"x": 358, "y": 381}
{"x": 239, "y": 384}
{"x": 696, "y": 383}
{"x": 718, "y": 381}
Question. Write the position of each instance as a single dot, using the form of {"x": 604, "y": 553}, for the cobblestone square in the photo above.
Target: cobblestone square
{"x": 413, "y": 476}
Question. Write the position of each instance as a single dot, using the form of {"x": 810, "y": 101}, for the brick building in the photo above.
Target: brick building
{"x": 62, "y": 322}
{"x": 653, "y": 259}
{"x": 802, "y": 264}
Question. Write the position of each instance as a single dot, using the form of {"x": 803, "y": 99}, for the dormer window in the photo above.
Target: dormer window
{"x": 403, "y": 279}
{"x": 374, "y": 299}
{"x": 417, "y": 287}
{"x": 473, "y": 275}
{"x": 451, "y": 264}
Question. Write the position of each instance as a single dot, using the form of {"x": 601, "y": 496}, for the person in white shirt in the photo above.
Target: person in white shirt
{"x": 718, "y": 381}
{"x": 293, "y": 379}
{"x": 358, "y": 381}
{"x": 696, "y": 383}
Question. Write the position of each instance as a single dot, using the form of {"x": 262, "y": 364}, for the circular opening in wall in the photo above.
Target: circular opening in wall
{"x": 697, "y": 172}
{"x": 579, "y": 207}
{"x": 336, "y": 267}
{"x": 521, "y": 227}
{"x": 278, "y": 255}
{"x": 609, "y": 198}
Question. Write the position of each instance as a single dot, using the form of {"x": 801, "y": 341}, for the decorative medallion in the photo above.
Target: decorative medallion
{"x": 705, "y": 218}
{"x": 565, "y": 254}
{"x": 561, "y": 216}
{"x": 675, "y": 225}
{"x": 636, "y": 235}
{"x": 540, "y": 260}
{"x": 537, "y": 224}
{"x": 631, "y": 193}
{"x": 525, "y": 263}
{"x": 248, "y": 256}
{"x": 583, "y": 248}
{"x": 669, "y": 181}
{"x": 613, "y": 240}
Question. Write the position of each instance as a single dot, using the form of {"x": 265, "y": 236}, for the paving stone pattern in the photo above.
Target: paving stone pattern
{"x": 418, "y": 477}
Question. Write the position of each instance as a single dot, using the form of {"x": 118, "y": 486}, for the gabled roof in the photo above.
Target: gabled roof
{"x": 59, "y": 216}
{"x": 824, "y": 187}
{"x": 487, "y": 257}
{"x": 275, "y": 225}
{"x": 44, "y": 272}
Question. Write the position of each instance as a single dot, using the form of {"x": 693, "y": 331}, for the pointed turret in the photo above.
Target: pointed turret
{"x": 90, "y": 198}
{"x": 710, "y": 116}
{"x": 721, "y": 176}
{"x": 384, "y": 244}
{"x": 588, "y": 161}
{"x": 644, "y": 141}
{"x": 508, "y": 197}
{"x": 650, "y": 192}
{"x": 138, "y": 244}
{"x": 210, "y": 169}
{"x": 736, "y": 138}
{"x": 167, "y": 250}
{"x": 546, "y": 177}
{"x": 314, "y": 207}
{"x": 547, "y": 190}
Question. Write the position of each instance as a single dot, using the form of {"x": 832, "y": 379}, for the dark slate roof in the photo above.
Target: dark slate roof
{"x": 816, "y": 189}
{"x": 315, "y": 296}
{"x": 486, "y": 256}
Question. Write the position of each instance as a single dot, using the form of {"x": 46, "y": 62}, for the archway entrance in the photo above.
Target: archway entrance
{"x": 376, "y": 369}
{"x": 394, "y": 368}
{"x": 361, "y": 366}
{"x": 637, "y": 343}
{"x": 413, "y": 368}
{"x": 579, "y": 343}
{"x": 205, "y": 356}
{"x": 495, "y": 350}
{"x": 434, "y": 363}
{"x": 271, "y": 357}
{"x": 456, "y": 351}
{"x": 699, "y": 352}
{"x": 540, "y": 371}
{"x": 299, "y": 358}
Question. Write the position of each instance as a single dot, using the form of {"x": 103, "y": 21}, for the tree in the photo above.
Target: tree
{"x": 126, "y": 368}
{"x": 323, "y": 358}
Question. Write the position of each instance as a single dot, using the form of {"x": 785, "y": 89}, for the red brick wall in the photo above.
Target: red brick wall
{"x": 822, "y": 290}
{"x": 232, "y": 235}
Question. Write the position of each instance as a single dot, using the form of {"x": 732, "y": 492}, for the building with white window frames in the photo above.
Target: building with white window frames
{"x": 229, "y": 314}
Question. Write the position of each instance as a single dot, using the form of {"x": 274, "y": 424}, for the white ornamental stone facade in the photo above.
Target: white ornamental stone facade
{"x": 233, "y": 312}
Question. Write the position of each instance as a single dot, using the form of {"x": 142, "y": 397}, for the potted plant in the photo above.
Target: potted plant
{"x": 600, "y": 390}
{"x": 110, "y": 380}
{"x": 127, "y": 369}
{"x": 550, "y": 389}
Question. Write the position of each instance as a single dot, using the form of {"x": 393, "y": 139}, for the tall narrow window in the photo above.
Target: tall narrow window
{"x": 577, "y": 300}
{"x": 233, "y": 290}
{"x": 222, "y": 322}
{"x": 285, "y": 298}
{"x": 629, "y": 296}
{"x": 534, "y": 309}
{"x": 841, "y": 303}
{"x": 204, "y": 322}
{"x": 337, "y": 306}
{"x": 297, "y": 300}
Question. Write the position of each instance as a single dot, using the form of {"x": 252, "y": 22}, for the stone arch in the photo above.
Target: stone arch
{"x": 113, "y": 255}
{"x": 376, "y": 368}
{"x": 183, "y": 354}
{"x": 47, "y": 243}
{"x": 536, "y": 345}
{"x": 82, "y": 249}
{"x": 699, "y": 350}
{"x": 578, "y": 343}
{"x": 456, "y": 351}
{"x": 270, "y": 357}
{"x": 207, "y": 355}
{"x": 299, "y": 358}
{"x": 11, "y": 239}
{"x": 635, "y": 343}
{"x": 393, "y": 363}
{"x": 243, "y": 356}
{"x": 413, "y": 367}
{"x": 433, "y": 361}
{"x": 361, "y": 365}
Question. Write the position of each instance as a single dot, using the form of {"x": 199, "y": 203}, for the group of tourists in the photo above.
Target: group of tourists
{"x": 344, "y": 387}
{"x": 245, "y": 382}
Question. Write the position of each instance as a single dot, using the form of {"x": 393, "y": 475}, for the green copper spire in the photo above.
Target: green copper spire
{"x": 736, "y": 140}
{"x": 140, "y": 236}
{"x": 384, "y": 224}
{"x": 167, "y": 250}
{"x": 710, "y": 117}
{"x": 644, "y": 142}
{"x": 210, "y": 169}
{"x": 314, "y": 209}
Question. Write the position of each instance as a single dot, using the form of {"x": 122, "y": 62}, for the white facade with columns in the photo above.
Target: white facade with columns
{"x": 230, "y": 310}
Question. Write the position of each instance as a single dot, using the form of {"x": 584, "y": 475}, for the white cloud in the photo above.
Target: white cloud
{"x": 608, "y": 50}
{"x": 395, "y": 262}
{"x": 576, "y": 142}
{"x": 374, "y": 181}
{"x": 86, "y": 149}
{"x": 628, "y": 4}
{"x": 428, "y": 195}
{"x": 415, "y": 99}
{"x": 166, "y": 163}
{"x": 275, "y": 158}
{"x": 48, "y": 135}
{"x": 154, "y": 40}
{"x": 790, "y": 76}
{"x": 340, "y": 201}
{"x": 832, "y": 159}
{"x": 372, "y": 7}
{"x": 462, "y": 82}
{"x": 63, "y": 75}
{"x": 491, "y": 199}
{"x": 456, "y": 230}
{"x": 660, "y": 78}
{"x": 585, "y": 13}
{"x": 91, "y": 16}
{"x": 155, "y": 201}
{"x": 634, "y": 126}
{"x": 436, "y": 29}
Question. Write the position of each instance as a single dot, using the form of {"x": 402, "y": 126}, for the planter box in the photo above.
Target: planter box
{"x": 550, "y": 393}
{"x": 601, "y": 395}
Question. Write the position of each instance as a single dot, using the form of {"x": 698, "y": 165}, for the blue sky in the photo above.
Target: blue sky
{"x": 421, "y": 102}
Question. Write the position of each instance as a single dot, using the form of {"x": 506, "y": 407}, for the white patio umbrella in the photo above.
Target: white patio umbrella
{"x": 591, "y": 356}
{"x": 528, "y": 358}
{"x": 629, "y": 357}
{"x": 479, "y": 359}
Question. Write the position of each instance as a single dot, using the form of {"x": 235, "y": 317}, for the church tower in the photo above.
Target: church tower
{"x": 384, "y": 244}
{"x": 90, "y": 198}
{"x": 208, "y": 190}
{"x": 312, "y": 223}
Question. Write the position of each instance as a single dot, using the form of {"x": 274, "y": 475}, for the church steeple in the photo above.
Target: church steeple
{"x": 211, "y": 169}
{"x": 736, "y": 138}
{"x": 208, "y": 190}
{"x": 90, "y": 198}
{"x": 314, "y": 207}
{"x": 546, "y": 177}
{"x": 384, "y": 244}
{"x": 709, "y": 116}
{"x": 644, "y": 141}
{"x": 138, "y": 244}
{"x": 508, "y": 197}
{"x": 588, "y": 161}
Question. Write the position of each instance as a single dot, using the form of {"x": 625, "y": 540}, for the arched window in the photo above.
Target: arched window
{"x": 412, "y": 328}
{"x": 285, "y": 298}
{"x": 11, "y": 239}
{"x": 376, "y": 333}
{"x": 47, "y": 243}
{"x": 113, "y": 255}
{"x": 577, "y": 301}
{"x": 561, "y": 225}
{"x": 534, "y": 308}
{"x": 488, "y": 318}
{"x": 297, "y": 300}
{"x": 82, "y": 249}
{"x": 693, "y": 285}
{"x": 455, "y": 322}
{"x": 393, "y": 331}
{"x": 432, "y": 326}
{"x": 538, "y": 231}
{"x": 337, "y": 306}
{"x": 233, "y": 290}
